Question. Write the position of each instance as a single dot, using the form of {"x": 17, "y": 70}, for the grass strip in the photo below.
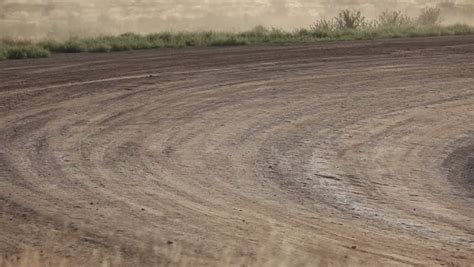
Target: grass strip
{"x": 12, "y": 49}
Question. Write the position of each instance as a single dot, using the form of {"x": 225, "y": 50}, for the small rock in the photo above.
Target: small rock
{"x": 170, "y": 242}
{"x": 354, "y": 247}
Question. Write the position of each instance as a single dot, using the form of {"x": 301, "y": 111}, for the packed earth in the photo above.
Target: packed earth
{"x": 326, "y": 153}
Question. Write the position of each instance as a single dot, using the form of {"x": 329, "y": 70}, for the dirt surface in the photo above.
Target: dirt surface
{"x": 349, "y": 152}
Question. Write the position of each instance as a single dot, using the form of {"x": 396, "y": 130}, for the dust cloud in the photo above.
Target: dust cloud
{"x": 35, "y": 19}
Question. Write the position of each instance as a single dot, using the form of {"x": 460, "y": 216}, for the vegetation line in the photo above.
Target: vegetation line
{"x": 348, "y": 25}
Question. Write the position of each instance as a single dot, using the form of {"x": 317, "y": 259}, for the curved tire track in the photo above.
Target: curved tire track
{"x": 354, "y": 152}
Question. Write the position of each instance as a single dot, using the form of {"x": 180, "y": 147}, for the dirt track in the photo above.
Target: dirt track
{"x": 352, "y": 152}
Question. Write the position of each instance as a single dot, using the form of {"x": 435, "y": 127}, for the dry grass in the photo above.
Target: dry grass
{"x": 348, "y": 25}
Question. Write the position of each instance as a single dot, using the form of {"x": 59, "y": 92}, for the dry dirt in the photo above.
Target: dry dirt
{"x": 346, "y": 152}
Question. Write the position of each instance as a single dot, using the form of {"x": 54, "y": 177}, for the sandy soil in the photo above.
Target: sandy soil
{"x": 349, "y": 152}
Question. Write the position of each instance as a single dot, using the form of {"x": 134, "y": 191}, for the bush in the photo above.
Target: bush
{"x": 324, "y": 25}
{"x": 16, "y": 53}
{"x": 99, "y": 47}
{"x": 2, "y": 54}
{"x": 393, "y": 19}
{"x": 120, "y": 46}
{"x": 21, "y": 52}
{"x": 228, "y": 41}
{"x": 73, "y": 45}
{"x": 460, "y": 29}
{"x": 50, "y": 45}
{"x": 36, "y": 52}
{"x": 429, "y": 16}
{"x": 165, "y": 36}
{"x": 350, "y": 20}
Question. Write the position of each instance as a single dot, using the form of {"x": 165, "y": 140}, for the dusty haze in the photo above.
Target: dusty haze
{"x": 61, "y": 19}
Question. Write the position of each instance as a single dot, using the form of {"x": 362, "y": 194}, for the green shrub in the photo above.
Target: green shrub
{"x": 21, "y": 52}
{"x": 324, "y": 25}
{"x": 165, "y": 36}
{"x": 36, "y": 52}
{"x": 460, "y": 29}
{"x": 74, "y": 45}
{"x": 99, "y": 47}
{"x": 120, "y": 46}
{"x": 2, "y": 54}
{"x": 50, "y": 45}
{"x": 16, "y": 53}
{"x": 228, "y": 41}
{"x": 393, "y": 19}
{"x": 350, "y": 20}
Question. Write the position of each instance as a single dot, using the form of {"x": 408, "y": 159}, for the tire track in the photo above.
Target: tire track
{"x": 338, "y": 153}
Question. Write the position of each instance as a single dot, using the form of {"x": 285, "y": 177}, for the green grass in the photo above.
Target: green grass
{"x": 348, "y": 25}
{"x": 21, "y": 50}
{"x": 2, "y": 53}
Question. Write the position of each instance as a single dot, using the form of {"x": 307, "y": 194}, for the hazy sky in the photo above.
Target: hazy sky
{"x": 66, "y": 17}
